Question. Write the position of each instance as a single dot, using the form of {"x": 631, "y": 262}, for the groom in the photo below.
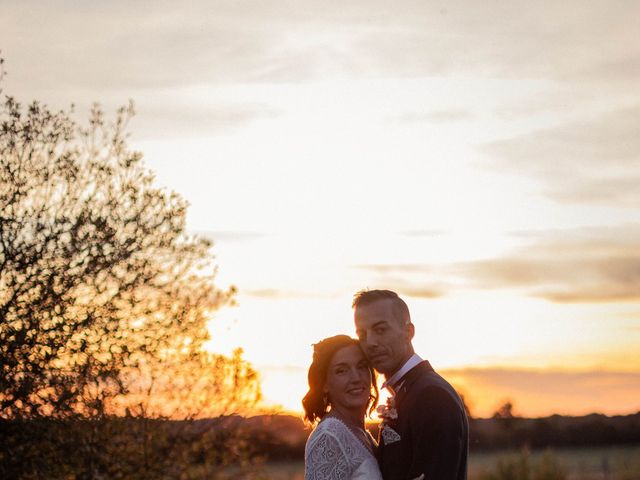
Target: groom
{"x": 426, "y": 433}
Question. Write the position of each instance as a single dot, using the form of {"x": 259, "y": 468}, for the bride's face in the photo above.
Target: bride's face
{"x": 348, "y": 379}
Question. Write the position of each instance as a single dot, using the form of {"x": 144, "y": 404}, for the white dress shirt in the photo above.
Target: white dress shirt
{"x": 392, "y": 382}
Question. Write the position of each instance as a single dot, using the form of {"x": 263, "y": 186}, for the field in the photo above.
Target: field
{"x": 601, "y": 463}
{"x": 272, "y": 447}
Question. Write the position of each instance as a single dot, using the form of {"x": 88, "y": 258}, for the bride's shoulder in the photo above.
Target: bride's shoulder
{"x": 328, "y": 426}
{"x": 328, "y": 436}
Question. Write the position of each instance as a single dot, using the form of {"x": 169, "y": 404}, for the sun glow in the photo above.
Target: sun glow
{"x": 471, "y": 159}
{"x": 501, "y": 332}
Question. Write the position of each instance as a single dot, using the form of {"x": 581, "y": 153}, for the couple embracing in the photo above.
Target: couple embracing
{"x": 424, "y": 431}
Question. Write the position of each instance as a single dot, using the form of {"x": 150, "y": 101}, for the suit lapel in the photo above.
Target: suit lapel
{"x": 410, "y": 378}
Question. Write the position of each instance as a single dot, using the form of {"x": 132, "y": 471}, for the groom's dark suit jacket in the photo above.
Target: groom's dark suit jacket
{"x": 433, "y": 429}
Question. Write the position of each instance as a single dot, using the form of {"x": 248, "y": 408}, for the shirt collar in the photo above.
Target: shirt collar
{"x": 392, "y": 383}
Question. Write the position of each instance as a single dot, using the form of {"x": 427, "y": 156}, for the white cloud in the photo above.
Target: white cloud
{"x": 581, "y": 266}
{"x": 123, "y": 44}
{"x": 595, "y": 160}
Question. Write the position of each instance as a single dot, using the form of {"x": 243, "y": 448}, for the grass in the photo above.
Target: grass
{"x": 601, "y": 463}
{"x": 597, "y": 463}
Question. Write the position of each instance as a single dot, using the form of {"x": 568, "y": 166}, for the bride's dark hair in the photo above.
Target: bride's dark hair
{"x": 315, "y": 402}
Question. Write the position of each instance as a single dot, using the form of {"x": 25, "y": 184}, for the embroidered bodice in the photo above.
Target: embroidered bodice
{"x": 333, "y": 452}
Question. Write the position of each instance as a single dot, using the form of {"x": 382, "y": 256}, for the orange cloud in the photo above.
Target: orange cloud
{"x": 593, "y": 265}
{"x": 569, "y": 266}
{"x": 545, "y": 392}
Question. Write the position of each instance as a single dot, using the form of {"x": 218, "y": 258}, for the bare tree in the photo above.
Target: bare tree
{"x": 104, "y": 304}
{"x": 98, "y": 279}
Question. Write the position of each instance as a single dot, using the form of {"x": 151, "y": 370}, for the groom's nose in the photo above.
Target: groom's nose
{"x": 371, "y": 340}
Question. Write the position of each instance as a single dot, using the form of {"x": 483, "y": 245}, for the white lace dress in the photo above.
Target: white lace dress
{"x": 333, "y": 452}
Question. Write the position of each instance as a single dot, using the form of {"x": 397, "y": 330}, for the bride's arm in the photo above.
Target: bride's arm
{"x": 325, "y": 459}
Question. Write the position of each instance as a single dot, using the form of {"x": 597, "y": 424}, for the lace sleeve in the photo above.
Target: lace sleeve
{"x": 325, "y": 459}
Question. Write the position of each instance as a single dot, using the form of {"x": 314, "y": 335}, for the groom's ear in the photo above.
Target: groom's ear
{"x": 410, "y": 330}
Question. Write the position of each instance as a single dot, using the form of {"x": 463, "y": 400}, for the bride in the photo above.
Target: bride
{"x": 342, "y": 389}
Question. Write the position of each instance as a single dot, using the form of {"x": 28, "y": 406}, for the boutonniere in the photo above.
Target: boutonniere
{"x": 388, "y": 412}
{"x": 389, "y": 415}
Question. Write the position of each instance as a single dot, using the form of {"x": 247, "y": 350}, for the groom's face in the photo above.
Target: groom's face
{"x": 384, "y": 337}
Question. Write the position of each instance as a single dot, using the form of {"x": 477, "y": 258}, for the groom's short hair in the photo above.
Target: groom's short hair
{"x": 367, "y": 297}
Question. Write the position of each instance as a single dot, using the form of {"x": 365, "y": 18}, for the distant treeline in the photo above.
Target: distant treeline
{"x": 128, "y": 447}
{"x": 554, "y": 431}
{"x": 282, "y": 436}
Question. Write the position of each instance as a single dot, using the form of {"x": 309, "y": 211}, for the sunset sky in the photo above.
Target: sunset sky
{"x": 480, "y": 158}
